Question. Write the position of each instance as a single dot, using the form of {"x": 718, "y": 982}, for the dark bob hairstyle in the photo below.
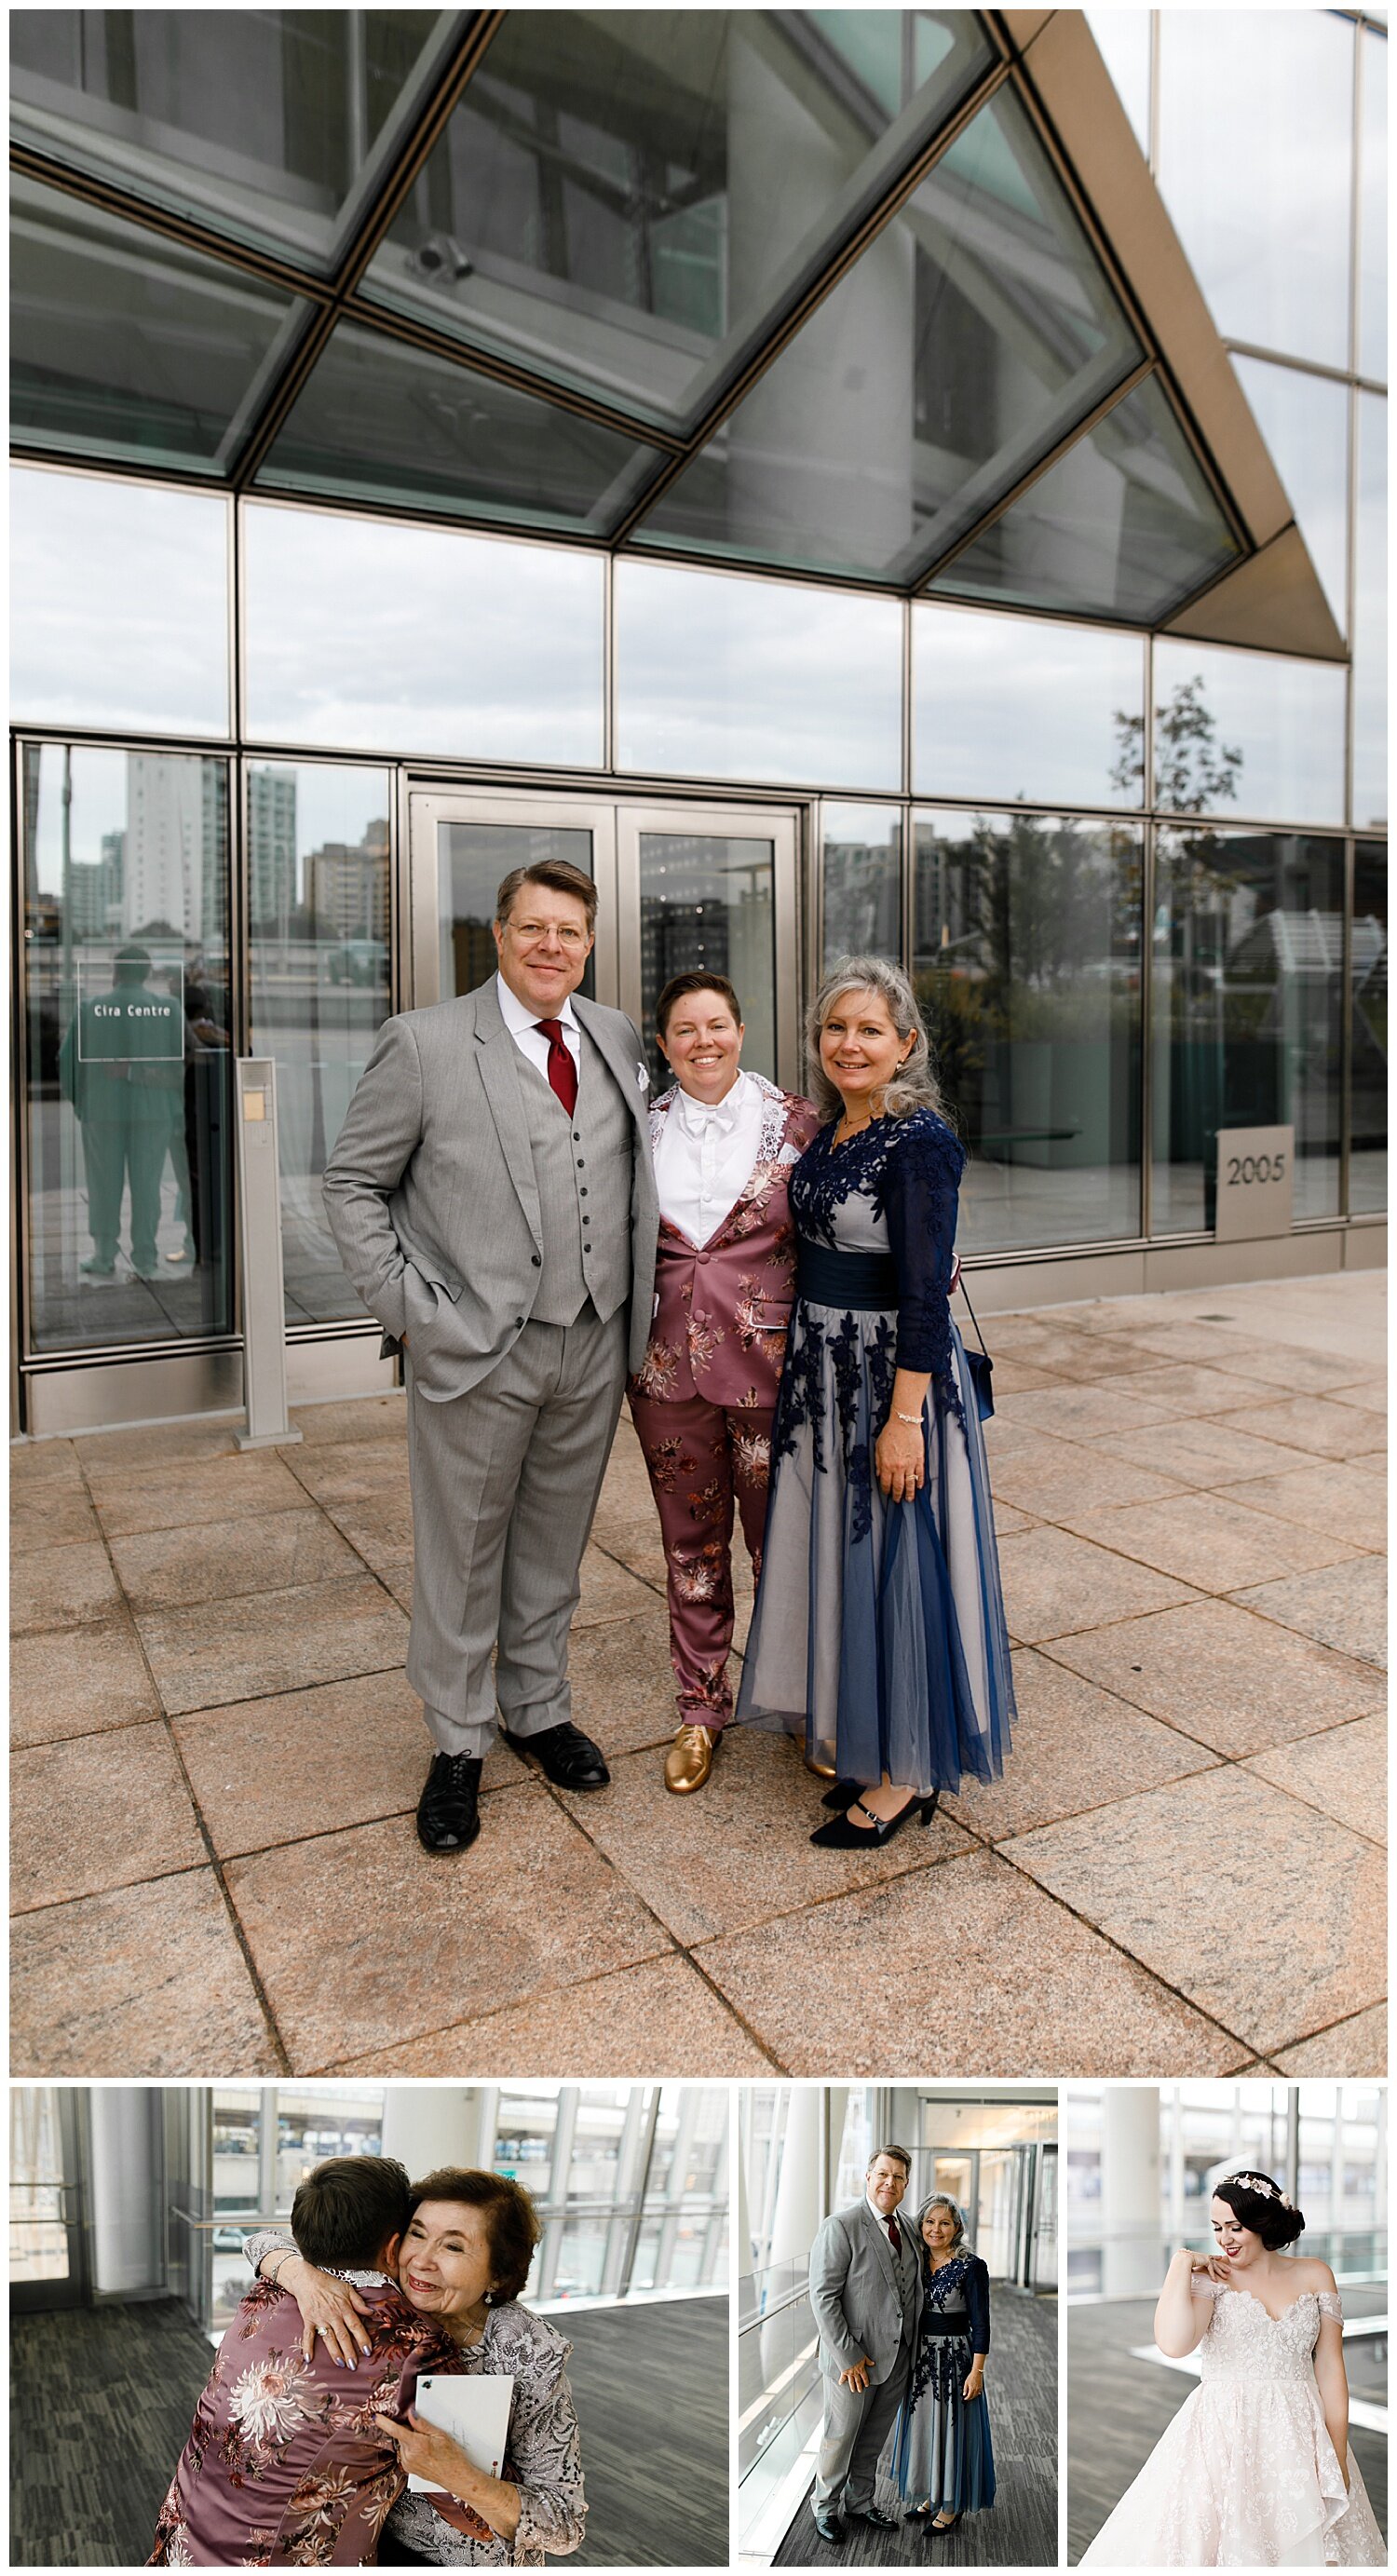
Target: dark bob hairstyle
{"x": 1264, "y": 2212}
{"x": 511, "y": 2222}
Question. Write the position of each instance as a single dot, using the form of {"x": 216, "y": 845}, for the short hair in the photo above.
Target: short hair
{"x": 695, "y": 982}
{"x": 512, "y": 2226}
{"x": 1267, "y": 2213}
{"x": 914, "y": 1084}
{"x": 346, "y": 2210}
{"x": 558, "y": 875}
{"x": 899, "y": 2153}
{"x": 943, "y": 2200}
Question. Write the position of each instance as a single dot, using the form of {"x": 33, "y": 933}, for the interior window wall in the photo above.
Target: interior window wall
{"x": 317, "y": 865}
{"x": 1368, "y": 991}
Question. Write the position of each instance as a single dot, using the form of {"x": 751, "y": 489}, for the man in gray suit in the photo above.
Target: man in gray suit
{"x": 493, "y": 1200}
{"x": 865, "y": 2289}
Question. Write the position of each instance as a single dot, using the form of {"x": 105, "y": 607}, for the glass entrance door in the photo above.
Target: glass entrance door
{"x": 47, "y": 2242}
{"x": 678, "y": 887}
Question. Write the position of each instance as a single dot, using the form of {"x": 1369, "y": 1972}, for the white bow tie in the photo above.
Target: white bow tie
{"x": 695, "y": 1116}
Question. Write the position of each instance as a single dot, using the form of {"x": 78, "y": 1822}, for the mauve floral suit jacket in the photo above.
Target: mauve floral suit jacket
{"x": 721, "y": 1310}
{"x": 284, "y": 2465}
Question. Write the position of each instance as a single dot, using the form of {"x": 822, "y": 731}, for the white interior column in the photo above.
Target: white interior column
{"x": 127, "y": 2175}
{"x": 426, "y": 2125}
{"x": 1130, "y": 2202}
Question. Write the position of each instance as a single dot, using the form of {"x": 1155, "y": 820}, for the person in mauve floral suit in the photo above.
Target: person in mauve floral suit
{"x": 703, "y": 1398}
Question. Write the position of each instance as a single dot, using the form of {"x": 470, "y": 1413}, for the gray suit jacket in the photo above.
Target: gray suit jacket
{"x": 430, "y": 1190}
{"x": 853, "y": 2291}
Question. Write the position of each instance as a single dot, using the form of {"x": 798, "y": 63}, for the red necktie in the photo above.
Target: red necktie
{"x": 893, "y": 2237}
{"x": 562, "y": 1072}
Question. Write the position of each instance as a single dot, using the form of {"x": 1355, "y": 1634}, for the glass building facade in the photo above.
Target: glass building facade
{"x": 776, "y": 462}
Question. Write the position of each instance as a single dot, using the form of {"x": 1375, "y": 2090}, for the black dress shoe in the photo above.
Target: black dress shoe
{"x": 566, "y": 1756}
{"x": 448, "y": 1815}
{"x": 873, "y": 2515}
{"x": 828, "y": 2525}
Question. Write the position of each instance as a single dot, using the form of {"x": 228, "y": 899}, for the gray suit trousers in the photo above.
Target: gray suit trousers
{"x": 854, "y": 2432}
{"x": 505, "y": 1480}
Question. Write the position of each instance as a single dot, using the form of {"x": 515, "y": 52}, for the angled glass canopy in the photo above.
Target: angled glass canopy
{"x": 124, "y": 344}
{"x": 627, "y": 200}
{"x": 1122, "y": 526}
{"x": 267, "y": 124}
{"x": 970, "y": 336}
{"x": 379, "y": 421}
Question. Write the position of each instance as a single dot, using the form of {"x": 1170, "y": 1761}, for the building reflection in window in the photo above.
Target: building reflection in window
{"x": 127, "y": 1045}
{"x": 317, "y": 872}
{"x": 1367, "y": 1183}
{"x": 1247, "y": 1010}
{"x": 862, "y": 881}
{"x": 1026, "y": 960}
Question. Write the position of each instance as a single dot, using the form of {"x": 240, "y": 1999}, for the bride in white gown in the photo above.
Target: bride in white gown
{"x": 1248, "y": 2474}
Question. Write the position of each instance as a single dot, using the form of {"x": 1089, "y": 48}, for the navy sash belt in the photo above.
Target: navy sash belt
{"x": 864, "y": 1281}
{"x": 934, "y": 2321}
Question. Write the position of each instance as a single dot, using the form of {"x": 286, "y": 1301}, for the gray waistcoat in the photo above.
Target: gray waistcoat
{"x": 904, "y": 2265}
{"x": 582, "y": 1166}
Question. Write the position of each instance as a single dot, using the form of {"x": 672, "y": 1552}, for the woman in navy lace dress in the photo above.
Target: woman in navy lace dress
{"x": 942, "y": 2460}
{"x": 878, "y": 1633}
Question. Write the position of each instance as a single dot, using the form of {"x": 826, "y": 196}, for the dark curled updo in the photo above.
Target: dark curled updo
{"x": 1274, "y": 2221}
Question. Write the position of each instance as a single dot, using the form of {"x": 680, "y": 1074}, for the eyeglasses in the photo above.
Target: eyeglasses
{"x": 567, "y": 933}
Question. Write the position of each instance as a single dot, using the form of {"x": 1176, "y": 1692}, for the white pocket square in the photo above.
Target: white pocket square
{"x": 642, "y": 1077}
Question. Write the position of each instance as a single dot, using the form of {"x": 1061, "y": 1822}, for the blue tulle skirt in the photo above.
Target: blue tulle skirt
{"x": 878, "y": 1632}
{"x": 941, "y": 2451}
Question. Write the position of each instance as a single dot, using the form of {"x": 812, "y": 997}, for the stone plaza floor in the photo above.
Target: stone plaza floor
{"x": 217, "y": 1759}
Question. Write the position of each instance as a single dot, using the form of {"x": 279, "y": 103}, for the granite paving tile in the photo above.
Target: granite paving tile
{"x": 75, "y": 1681}
{"x": 1368, "y": 1397}
{"x": 739, "y": 1850}
{"x": 1285, "y": 1363}
{"x": 143, "y": 1983}
{"x": 142, "y": 1444}
{"x": 358, "y": 1417}
{"x": 1349, "y": 1500}
{"x": 1265, "y": 1914}
{"x": 1184, "y": 1392}
{"x": 1230, "y": 1680}
{"x": 1327, "y": 1430}
{"x": 1055, "y": 1583}
{"x": 351, "y": 1471}
{"x": 659, "y": 2019}
{"x": 1207, "y": 1450}
{"x": 1343, "y": 1771}
{"x": 183, "y": 1494}
{"x": 378, "y": 1528}
{"x": 165, "y": 1569}
{"x": 61, "y": 1587}
{"x": 939, "y": 1967}
{"x": 1075, "y": 1747}
{"x": 1344, "y": 1606}
{"x": 269, "y": 1771}
{"x": 1081, "y": 1412}
{"x": 50, "y": 1513}
{"x": 216, "y": 1652}
{"x": 1054, "y": 1478}
{"x": 395, "y": 1574}
{"x": 98, "y": 1811}
{"x": 529, "y": 1909}
{"x": 1199, "y": 1343}
{"x": 1210, "y": 1540}
{"x": 632, "y": 1537}
{"x": 623, "y": 1682}
{"x": 1356, "y": 2048}
{"x": 40, "y": 1462}
{"x": 609, "y": 1591}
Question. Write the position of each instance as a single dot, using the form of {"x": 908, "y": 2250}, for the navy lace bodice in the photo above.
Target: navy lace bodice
{"x": 894, "y": 1186}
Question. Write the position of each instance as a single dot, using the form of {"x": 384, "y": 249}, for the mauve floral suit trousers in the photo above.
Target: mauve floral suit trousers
{"x": 704, "y": 1397}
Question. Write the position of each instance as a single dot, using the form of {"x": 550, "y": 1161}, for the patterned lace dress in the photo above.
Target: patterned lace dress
{"x": 942, "y": 2458}
{"x": 1246, "y": 2475}
{"x": 878, "y": 1633}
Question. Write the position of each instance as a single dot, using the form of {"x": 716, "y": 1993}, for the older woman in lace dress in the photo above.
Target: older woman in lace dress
{"x": 464, "y": 2261}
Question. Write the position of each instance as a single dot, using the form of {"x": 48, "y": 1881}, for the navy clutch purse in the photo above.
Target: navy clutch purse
{"x": 979, "y": 1363}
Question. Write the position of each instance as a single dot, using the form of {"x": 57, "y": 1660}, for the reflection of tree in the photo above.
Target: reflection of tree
{"x": 1193, "y": 771}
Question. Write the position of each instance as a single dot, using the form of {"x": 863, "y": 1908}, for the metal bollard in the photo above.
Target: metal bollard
{"x": 264, "y": 1310}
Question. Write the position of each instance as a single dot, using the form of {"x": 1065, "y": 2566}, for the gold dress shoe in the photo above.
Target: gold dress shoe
{"x": 822, "y": 1770}
{"x": 690, "y": 1759}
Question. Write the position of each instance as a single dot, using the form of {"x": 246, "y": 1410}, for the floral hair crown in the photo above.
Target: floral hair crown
{"x": 1263, "y": 2184}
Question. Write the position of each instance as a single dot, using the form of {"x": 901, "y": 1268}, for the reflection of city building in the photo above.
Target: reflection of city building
{"x": 347, "y": 886}
{"x": 172, "y": 866}
{"x": 271, "y": 849}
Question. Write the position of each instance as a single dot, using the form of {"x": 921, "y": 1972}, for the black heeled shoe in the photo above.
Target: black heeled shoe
{"x": 841, "y": 1797}
{"x": 840, "y": 1835}
{"x": 943, "y": 2530}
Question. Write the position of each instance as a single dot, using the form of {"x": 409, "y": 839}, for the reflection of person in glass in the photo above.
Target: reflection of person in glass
{"x": 702, "y": 1400}
{"x": 1255, "y": 2469}
{"x": 121, "y": 1065}
{"x": 464, "y": 2261}
{"x": 878, "y": 1636}
{"x": 941, "y": 2456}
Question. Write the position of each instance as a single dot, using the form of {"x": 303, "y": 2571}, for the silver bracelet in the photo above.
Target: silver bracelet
{"x": 913, "y": 1418}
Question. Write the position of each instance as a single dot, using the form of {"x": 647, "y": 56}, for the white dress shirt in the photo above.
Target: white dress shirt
{"x": 523, "y": 1027}
{"x": 705, "y": 1157}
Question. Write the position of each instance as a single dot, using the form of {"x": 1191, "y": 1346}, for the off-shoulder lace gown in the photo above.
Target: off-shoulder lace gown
{"x": 878, "y": 1632}
{"x": 1246, "y": 2475}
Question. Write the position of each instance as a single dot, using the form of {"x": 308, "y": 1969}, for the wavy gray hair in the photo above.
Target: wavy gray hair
{"x": 915, "y": 1084}
{"x": 943, "y": 2200}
